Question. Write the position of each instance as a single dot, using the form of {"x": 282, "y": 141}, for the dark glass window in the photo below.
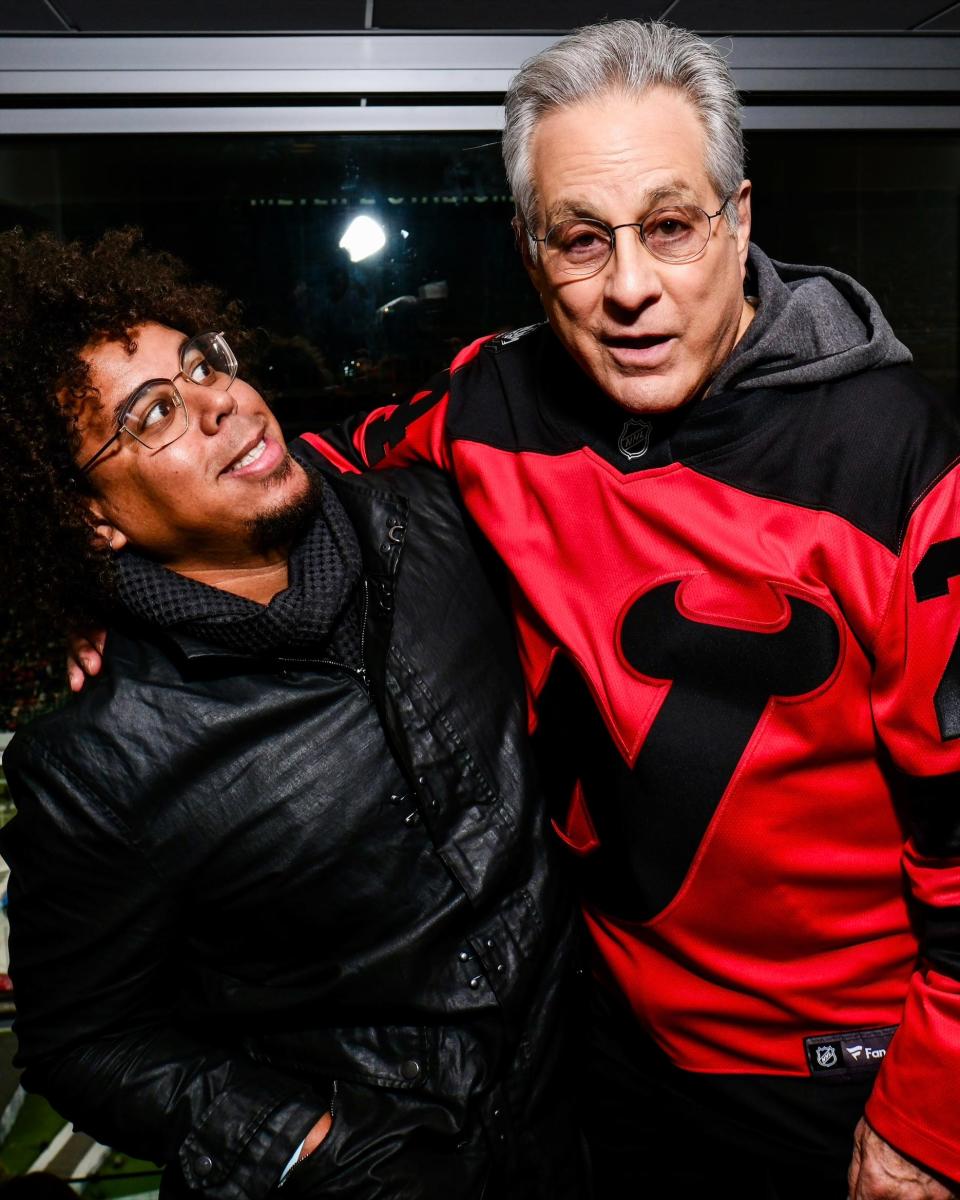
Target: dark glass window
{"x": 264, "y": 216}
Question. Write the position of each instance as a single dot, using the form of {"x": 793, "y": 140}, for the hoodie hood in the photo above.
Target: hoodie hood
{"x": 813, "y": 324}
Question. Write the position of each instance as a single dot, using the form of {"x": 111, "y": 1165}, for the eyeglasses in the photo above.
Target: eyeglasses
{"x": 155, "y": 415}
{"x": 581, "y": 246}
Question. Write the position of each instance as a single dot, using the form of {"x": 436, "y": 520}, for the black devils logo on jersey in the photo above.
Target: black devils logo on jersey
{"x": 931, "y": 580}
{"x": 651, "y": 816}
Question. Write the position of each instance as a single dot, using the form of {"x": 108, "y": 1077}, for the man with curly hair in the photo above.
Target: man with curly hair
{"x": 281, "y": 902}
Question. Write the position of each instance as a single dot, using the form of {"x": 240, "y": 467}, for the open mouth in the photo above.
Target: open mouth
{"x": 641, "y": 351}
{"x": 642, "y": 341}
{"x": 250, "y": 457}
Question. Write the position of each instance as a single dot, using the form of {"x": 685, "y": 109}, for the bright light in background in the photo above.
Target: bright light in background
{"x": 364, "y": 236}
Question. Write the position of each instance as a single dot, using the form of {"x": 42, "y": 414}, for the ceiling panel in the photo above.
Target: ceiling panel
{"x": 202, "y": 16}
{"x": 506, "y": 14}
{"x": 28, "y": 16}
{"x": 802, "y": 16}
{"x": 296, "y": 16}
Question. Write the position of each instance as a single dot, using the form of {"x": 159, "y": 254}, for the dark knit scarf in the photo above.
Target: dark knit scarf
{"x": 319, "y": 608}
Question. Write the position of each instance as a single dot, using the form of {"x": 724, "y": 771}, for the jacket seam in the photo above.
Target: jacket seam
{"x": 902, "y": 531}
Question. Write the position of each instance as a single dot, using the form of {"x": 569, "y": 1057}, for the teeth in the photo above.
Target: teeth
{"x": 252, "y": 457}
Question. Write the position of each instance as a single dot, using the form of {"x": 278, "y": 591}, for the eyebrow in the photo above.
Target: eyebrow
{"x": 122, "y": 404}
{"x": 576, "y": 206}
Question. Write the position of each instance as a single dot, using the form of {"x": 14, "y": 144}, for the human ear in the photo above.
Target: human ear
{"x": 743, "y": 228}
{"x": 105, "y": 531}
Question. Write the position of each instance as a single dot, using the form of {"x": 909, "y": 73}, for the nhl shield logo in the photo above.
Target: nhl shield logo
{"x": 634, "y": 440}
{"x": 826, "y": 1056}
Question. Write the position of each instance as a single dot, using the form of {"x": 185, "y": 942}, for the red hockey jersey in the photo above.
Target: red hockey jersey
{"x": 739, "y": 624}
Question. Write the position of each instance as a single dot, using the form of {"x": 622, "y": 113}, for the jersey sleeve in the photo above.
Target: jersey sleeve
{"x": 916, "y": 704}
{"x": 397, "y": 435}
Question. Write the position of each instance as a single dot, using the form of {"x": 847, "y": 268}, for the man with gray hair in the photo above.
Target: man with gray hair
{"x": 730, "y": 512}
{"x": 729, "y": 508}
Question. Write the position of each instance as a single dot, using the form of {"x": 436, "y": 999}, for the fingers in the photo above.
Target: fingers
{"x": 84, "y": 656}
{"x": 75, "y": 675}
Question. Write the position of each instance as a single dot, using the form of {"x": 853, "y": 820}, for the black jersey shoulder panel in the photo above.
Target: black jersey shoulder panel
{"x": 867, "y": 448}
{"x": 497, "y": 398}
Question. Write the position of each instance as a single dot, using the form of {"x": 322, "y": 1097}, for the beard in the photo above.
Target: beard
{"x": 278, "y": 528}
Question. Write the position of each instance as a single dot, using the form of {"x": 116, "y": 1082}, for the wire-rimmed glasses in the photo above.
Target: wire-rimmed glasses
{"x": 582, "y": 246}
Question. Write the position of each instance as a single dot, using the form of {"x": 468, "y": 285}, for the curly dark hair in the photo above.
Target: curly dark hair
{"x": 57, "y": 299}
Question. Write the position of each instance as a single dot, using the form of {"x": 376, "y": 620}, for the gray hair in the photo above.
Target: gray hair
{"x": 630, "y": 57}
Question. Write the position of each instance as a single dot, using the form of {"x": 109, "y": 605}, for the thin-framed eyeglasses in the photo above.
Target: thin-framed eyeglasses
{"x": 582, "y": 246}
{"x": 155, "y": 415}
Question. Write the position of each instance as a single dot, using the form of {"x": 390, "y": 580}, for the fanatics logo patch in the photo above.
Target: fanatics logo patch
{"x": 851, "y": 1055}
{"x": 634, "y": 440}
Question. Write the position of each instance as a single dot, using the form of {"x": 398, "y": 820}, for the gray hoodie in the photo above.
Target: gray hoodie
{"x": 813, "y": 324}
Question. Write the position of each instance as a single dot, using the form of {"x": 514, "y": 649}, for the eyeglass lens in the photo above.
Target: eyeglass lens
{"x": 580, "y": 246}
{"x": 156, "y": 414}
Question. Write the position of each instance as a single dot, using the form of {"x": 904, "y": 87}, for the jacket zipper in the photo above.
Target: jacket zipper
{"x": 361, "y": 671}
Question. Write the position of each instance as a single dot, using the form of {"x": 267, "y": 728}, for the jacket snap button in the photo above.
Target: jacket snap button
{"x": 476, "y": 981}
{"x": 204, "y": 1164}
{"x": 410, "y": 1069}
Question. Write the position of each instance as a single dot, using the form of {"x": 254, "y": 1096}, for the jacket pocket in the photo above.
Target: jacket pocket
{"x": 385, "y": 1145}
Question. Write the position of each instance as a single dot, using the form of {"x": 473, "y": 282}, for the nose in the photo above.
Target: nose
{"x": 632, "y": 276}
{"x": 211, "y": 402}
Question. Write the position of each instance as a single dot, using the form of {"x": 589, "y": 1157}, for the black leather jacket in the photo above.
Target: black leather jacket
{"x": 243, "y": 890}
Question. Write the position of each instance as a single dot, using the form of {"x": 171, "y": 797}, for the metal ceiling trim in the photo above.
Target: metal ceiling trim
{"x": 431, "y": 118}
{"x": 372, "y": 64}
{"x": 254, "y": 119}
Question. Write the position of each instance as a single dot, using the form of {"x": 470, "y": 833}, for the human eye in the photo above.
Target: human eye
{"x": 197, "y": 369}
{"x": 672, "y": 228}
{"x": 579, "y": 242}
{"x": 150, "y": 412}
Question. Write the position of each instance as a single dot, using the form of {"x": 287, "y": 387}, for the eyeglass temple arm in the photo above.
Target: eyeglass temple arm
{"x": 91, "y": 462}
